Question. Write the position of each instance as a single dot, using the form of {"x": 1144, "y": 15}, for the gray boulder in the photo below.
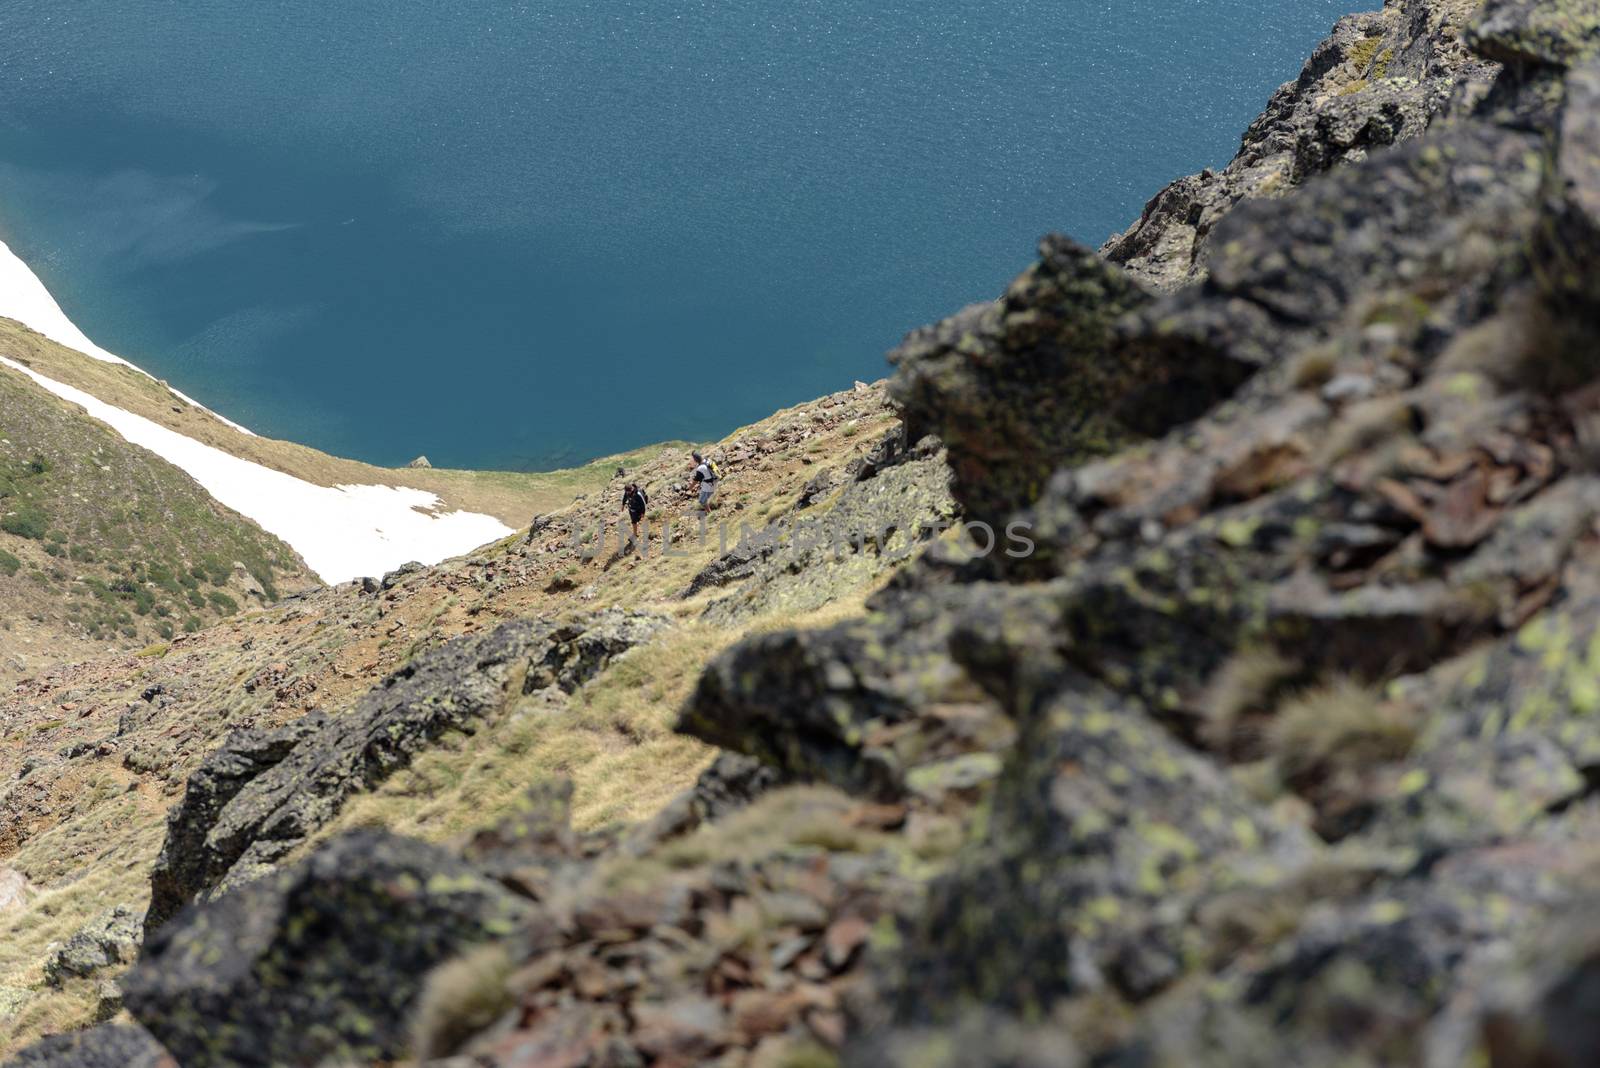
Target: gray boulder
{"x": 316, "y": 963}
{"x": 111, "y": 938}
{"x": 847, "y": 705}
{"x": 1533, "y": 33}
{"x": 1020, "y": 386}
{"x": 186, "y": 864}
{"x": 106, "y": 1046}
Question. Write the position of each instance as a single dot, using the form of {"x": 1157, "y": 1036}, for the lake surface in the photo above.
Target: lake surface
{"x": 517, "y": 234}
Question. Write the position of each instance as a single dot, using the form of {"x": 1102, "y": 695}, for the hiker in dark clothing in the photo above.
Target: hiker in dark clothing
{"x": 635, "y": 501}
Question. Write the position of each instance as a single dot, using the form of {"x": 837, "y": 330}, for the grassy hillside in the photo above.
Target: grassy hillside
{"x": 511, "y": 497}
{"x": 103, "y": 543}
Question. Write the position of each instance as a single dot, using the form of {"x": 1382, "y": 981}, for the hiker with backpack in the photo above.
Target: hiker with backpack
{"x": 706, "y": 475}
{"x": 634, "y": 502}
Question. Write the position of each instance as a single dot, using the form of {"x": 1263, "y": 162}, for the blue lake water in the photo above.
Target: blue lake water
{"x": 519, "y": 234}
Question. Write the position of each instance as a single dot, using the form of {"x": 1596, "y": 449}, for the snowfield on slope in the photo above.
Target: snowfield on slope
{"x": 342, "y": 532}
{"x": 24, "y": 298}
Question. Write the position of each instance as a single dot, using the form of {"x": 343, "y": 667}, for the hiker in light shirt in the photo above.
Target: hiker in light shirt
{"x": 706, "y": 476}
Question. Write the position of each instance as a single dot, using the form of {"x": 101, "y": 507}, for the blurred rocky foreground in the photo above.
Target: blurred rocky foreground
{"x": 1282, "y": 746}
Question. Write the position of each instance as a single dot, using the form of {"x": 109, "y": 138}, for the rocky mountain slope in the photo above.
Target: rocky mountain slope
{"x": 108, "y": 545}
{"x": 1271, "y": 744}
{"x": 94, "y": 754}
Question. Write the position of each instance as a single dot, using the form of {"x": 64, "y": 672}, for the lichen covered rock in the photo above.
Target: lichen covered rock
{"x": 888, "y": 510}
{"x": 811, "y": 706}
{"x": 186, "y": 865}
{"x": 106, "y": 1046}
{"x": 1381, "y": 78}
{"x": 316, "y": 963}
{"x": 1556, "y": 33}
{"x": 1102, "y": 825}
{"x": 109, "y": 939}
{"x": 1299, "y": 687}
{"x": 1020, "y": 386}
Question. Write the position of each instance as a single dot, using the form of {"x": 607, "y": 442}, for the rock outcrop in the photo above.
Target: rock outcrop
{"x": 891, "y": 503}
{"x": 263, "y": 794}
{"x": 1380, "y": 78}
{"x": 1530, "y": 34}
{"x": 1342, "y": 618}
{"x": 316, "y": 963}
{"x": 109, "y": 939}
{"x": 1017, "y": 387}
{"x": 107, "y": 1046}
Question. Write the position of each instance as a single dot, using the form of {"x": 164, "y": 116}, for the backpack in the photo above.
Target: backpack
{"x": 643, "y": 498}
{"x": 716, "y": 472}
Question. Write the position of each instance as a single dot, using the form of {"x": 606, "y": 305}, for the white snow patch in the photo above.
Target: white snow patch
{"x": 342, "y": 532}
{"x": 24, "y": 298}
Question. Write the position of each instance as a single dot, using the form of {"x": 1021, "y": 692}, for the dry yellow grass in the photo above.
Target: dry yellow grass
{"x": 1345, "y": 722}
{"x": 813, "y": 816}
{"x": 613, "y": 738}
{"x": 460, "y": 998}
{"x": 1244, "y": 687}
{"x": 121, "y": 843}
{"x": 1528, "y": 344}
{"x": 1366, "y": 426}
